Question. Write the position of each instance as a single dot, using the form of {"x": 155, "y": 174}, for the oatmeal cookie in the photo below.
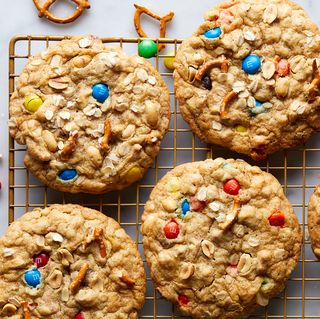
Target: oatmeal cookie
{"x": 314, "y": 221}
{"x": 91, "y": 116}
{"x": 248, "y": 79}
{"x": 220, "y": 238}
{"x": 68, "y": 261}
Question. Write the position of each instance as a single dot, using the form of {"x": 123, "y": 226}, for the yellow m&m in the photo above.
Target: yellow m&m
{"x": 240, "y": 129}
{"x": 32, "y": 103}
{"x": 134, "y": 174}
{"x": 168, "y": 61}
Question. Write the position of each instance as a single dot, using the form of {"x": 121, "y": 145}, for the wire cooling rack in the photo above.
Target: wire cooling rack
{"x": 297, "y": 169}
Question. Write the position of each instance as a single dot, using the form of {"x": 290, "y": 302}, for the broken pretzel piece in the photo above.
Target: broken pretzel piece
{"x": 26, "y": 311}
{"x": 74, "y": 286}
{"x": 163, "y": 23}
{"x": 223, "y": 63}
{"x": 127, "y": 280}
{"x": 69, "y": 146}
{"x": 232, "y": 216}
{"x": 226, "y": 100}
{"x": 313, "y": 90}
{"x": 98, "y": 237}
{"x": 107, "y": 134}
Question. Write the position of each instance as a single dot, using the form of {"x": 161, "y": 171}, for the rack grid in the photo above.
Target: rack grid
{"x": 296, "y": 169}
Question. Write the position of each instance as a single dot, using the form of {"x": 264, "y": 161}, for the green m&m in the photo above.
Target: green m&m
{"x": 147, "y": 49}
{"x": 32, "y": 102}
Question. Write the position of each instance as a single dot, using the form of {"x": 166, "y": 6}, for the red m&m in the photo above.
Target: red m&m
{"x": 79, "y": 316}
{"x": 196, "y": 204}
{"x": 41, "y": 259}
{"x": 277, "y": 218}
{"x": 183, "y": 299}
{"x": 171, "y": 229}
{"x": 232, "y": 187}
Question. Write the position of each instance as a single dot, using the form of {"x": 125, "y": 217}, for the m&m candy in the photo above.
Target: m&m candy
{"x": 197, "y": 205}
{"x": 257, "y": 109}
{"x": 240, "y": 129}
{"x": 232, "y": 187}
{"x": 183, "y": 299}
{"x": 32, "y": 277}
{"x": 213, "y": 33}
{"x": 100, "y": 92}
{"x": 171, "y": 229}
{"x": 206, "y": 82}
{"x": 277, "y": 218}
{"x": 79, "y": 316}
{"x": 168, "y": 61}
{"x": 41, "y": 259}
{"x": 67, "y": 175}
{"x": 251, "y": 64}
{"x": 32, "y": 103}
{"x": 147, "y": 49}
{"x": 185, "y": 208}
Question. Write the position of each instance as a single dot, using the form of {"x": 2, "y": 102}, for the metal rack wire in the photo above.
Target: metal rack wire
{"x": 294, "y": 168}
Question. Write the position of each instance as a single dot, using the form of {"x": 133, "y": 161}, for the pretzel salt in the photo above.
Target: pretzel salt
{"x": 43, "y": 9}
{"x": 163, "y": 23}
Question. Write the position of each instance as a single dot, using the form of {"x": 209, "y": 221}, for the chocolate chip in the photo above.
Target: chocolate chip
{"x": 206, "y": 82}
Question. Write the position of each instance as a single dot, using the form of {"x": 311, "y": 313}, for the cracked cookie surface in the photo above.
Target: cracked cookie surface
{"x": 314, "y": 221}
{"x": 91, "y": 116}
{"x": 248, "y": 78}
{"x": 220, "y": 238}
{"x": 68, "y": 261}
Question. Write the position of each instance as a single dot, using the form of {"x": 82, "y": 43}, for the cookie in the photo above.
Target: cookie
{"x": 92, "y": 117}
{"x": 248, "y": 78}
{"x": 68, "y": 261}
{"x": 220, "y": 238}
{"x": 314, "y": 221}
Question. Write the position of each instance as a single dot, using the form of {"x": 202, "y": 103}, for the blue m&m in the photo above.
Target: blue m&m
{"x": 67, "y": 175}
{"x": 100, "y": 92}
{"x": 251, "y": 64}
{"x": 257, "y": 109}
{"x": 213, "y": 33}
{"x": 32, "y": 277}
{"x": 185, "y": 208}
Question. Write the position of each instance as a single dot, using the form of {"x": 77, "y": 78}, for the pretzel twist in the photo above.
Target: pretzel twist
{"x": 69, "y": 146}
{"x": 74, "y": 286}
{"x": 223, "y": 63}
{"x": 43, "y": 9}
{"x": 163, "y": 22}
{"x": 107, "y": 134}
{"x": 232, "y": 216}
{"x": 226, "y": 100}
{"x": 26, "y": 311}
